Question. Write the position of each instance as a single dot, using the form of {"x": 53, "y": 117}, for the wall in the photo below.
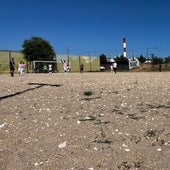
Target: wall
{"x": 90, "y": 63}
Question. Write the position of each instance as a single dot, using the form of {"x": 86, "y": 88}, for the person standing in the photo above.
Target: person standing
{"x": 65, "y": 67}
{"x": 68, "y": 66}
{"x": 81, "y": 68}
{"x": 115, "y": 67}
{"x": 45, "y": 70}
{"x": 20, "y": 68}
{"x": 111, "y": 67}
{"x": 160, "y": 67}
{"x": 50, "y": 70}
{"x": 24, "y": 66}
{"x": 12, "y": 66}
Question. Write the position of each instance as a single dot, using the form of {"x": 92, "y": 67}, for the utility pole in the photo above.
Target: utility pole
{"x": 89, "y": 54}
{"x": 90, "y": 58}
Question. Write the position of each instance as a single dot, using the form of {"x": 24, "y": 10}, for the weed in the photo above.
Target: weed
{"x": 88, "y": 93}
{"x": 150, "y": 133}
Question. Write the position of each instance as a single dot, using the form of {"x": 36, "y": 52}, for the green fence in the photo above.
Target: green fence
{"x": 91, "y": 63}
{"x": 4, "y": 60}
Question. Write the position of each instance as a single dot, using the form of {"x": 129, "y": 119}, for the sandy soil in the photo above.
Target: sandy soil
{"x": 89, "y": 121}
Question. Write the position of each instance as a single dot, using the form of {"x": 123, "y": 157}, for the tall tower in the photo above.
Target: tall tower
{"x": 124, "y": 47}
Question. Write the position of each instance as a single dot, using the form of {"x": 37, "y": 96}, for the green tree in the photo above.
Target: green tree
{"x": 156, "y": 60}
{"x": 121, "y": 60}
{"x": 37, "y": 48}
{"x": 142, "y": 59}
{"x": 167, "y": 60}
{"x": 103, "y": 59}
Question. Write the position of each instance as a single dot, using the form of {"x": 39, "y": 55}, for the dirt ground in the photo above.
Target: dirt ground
{"x": 88, "y": 121}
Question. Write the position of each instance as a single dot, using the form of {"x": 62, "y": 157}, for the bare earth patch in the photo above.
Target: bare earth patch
{"x": 89, "y": 121}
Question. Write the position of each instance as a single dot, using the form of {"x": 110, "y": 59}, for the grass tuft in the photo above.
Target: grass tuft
{"x": 88, "y": 93}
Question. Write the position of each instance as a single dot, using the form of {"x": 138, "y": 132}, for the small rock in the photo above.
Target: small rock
{"x": 159, "y": 149}
{"x": 62, "y": 145}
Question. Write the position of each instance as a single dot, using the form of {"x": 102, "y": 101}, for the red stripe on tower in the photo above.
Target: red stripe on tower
{"x": 124, "y": 47}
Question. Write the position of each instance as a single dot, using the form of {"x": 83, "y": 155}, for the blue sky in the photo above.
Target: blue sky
{"x": 83, "y": 27}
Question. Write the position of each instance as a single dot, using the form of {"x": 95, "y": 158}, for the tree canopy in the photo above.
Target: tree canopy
{"x": 156, "y": 60}
{"x": 167, "y": 60}
{"x": 141, "y": 59}
{"x": 121, "y": 60}
{"x": 37, "y": 48}
{"x": 103, "y": 59}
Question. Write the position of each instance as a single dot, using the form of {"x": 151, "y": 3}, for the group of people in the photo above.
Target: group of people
{"x": 66, "y": 67}
{"x": 48, "y": 69}
{"x": 21, "y": 67}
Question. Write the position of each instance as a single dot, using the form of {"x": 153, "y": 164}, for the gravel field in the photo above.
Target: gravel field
{"x": 88, "y": 121}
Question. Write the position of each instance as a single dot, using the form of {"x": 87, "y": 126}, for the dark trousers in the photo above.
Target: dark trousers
{"x": 12, "y": 73}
